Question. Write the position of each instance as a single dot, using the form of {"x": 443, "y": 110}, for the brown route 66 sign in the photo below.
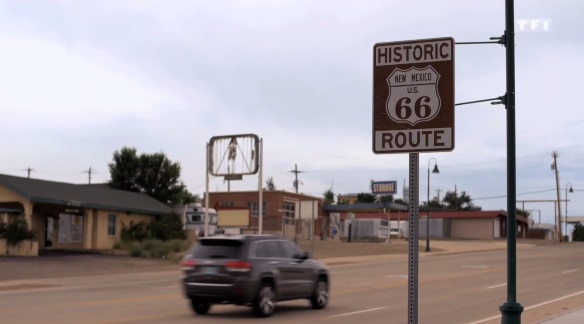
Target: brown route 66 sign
{"x": 413, "y": 96}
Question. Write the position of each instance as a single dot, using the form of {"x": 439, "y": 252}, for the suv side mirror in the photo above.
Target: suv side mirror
{"x": 303, "y": 256}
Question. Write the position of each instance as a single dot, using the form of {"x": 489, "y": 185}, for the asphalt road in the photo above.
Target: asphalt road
{"x": 463, "y": 288}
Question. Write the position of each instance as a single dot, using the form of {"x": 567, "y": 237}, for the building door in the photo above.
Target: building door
{"x": 48, "y": 232}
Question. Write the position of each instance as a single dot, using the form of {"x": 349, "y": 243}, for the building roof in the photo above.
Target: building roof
{"x": 89, "y": 196}
{"x": 365, "y": 207}
{"x": 265, "y": 192}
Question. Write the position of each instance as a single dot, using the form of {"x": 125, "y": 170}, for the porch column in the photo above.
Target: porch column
{"x": 88, "y": 228}
{"x": 28, "y": 206}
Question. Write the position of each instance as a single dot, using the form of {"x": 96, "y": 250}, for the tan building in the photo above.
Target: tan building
{"x": 283, "y": 212}
{"x": 72, "y": 216}
{"x": 484, "y": 225}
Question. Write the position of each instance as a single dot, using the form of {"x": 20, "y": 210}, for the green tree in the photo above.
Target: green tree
{"x": 365, "y": 197}
{"x": 578, "y": 233}
{"x": 434, "y": 204}
{"x": 329, "y": 197}
{"x": 384, "y": 198}
{"x": 399, "y": 201}
{"x": 270, "y": 184}
{"x": 452, "y": 200}
{"x": 151, "y": 174}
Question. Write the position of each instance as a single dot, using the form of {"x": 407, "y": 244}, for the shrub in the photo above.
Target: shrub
{"x": 160, "y": 250}
{"x": 167, "y": 227}
{"x": 178, "y": 245}
{"x": 149, "y": 245}
{"x": 2, "y": 229}
{"x": 17, "y": 231}
{"x": 578, "y": 233}
{"x": 136, "y": 252}
{"x": 134, "y": 232}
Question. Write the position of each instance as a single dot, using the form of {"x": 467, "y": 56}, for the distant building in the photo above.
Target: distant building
{"x": 284, "y": 213}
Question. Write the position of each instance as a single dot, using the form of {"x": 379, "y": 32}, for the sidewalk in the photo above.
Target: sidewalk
{"x": 571, "y": 318}
{"x": 438, "y": 248}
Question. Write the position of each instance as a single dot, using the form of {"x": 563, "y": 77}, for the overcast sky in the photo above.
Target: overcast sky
{"x": 80, "y": 79}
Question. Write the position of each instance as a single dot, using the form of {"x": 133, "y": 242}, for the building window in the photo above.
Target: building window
{"x": 226, "y": 204}
{"x": 111, "y": 225}
{"x": 289, "y": 212}
{"x": 254, "y": 206}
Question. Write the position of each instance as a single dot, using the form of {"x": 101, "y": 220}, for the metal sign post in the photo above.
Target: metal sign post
{"x": 413, "y": 246}
{"x": 413, "y": 112}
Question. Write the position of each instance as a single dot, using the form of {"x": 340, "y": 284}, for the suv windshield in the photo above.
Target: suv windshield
{"x": 217, "y": 249}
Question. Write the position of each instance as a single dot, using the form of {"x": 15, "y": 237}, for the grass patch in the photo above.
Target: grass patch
{"x": 136, "y": 252}
{"x": 155, "y": 249}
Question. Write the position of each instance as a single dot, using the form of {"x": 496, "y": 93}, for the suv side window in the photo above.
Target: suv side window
{"x": 267, "y": 250}
{"x": 290, "y": 249}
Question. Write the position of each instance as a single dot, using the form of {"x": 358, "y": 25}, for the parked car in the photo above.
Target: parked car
{"x": 252, "y": 270}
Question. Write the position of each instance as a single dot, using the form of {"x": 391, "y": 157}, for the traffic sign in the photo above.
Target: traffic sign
{"x": 413, "y": 96}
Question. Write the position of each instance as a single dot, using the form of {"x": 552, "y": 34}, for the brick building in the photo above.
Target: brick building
{"x": 284, "y": 213}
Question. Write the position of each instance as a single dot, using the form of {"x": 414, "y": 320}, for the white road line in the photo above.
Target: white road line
{"x": 570, "y": 271}
{"x": 496, "y": 286}
{"x": 167, "y": 287}
{"x": 358, "y": 312}
{"x": 398, "y": 276}
{"x": 533, "y": 306}
{"x": 475, "y": 266}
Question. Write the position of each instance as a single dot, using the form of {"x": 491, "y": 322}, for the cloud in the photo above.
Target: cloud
{"x": 84, "y": 78}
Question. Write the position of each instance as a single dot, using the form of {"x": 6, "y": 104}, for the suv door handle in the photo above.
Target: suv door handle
{"x": 274, "y": 262}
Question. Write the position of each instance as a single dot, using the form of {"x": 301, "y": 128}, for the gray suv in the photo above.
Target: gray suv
{"x": 252, "y": 270}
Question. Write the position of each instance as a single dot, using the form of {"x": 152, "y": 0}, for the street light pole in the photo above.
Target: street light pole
{"x": 428, "y": 203}
{"x": 566, "y": 213}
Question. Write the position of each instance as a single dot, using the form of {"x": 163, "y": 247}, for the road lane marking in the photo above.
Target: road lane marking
{"x": 185, "y": 314}
{"x": 533, "y": 306}
{"x": 496, "y": 286}
{"x": 475, "y": 266}
{"x": 569, "y": 271}
{"x": 64, "y": 287}
{"x": 358, "y": 312}
{"x": 166, "y": 287}
{"x": 398, "y": 276}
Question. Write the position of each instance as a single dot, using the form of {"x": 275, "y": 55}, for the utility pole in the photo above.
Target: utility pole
{"x": 295, "y": 171}
{"x": 555, "y": 167}
{"x": 28, "y": 170}
{"x": 89, "y": 172}
{"x": 455, "y": 198}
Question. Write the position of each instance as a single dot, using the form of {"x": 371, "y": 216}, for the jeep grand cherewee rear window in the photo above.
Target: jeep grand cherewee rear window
{"x": 217, "y": 249}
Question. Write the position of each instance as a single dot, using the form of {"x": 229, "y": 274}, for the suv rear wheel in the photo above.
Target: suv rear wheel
{"x": 320, "y": 297}
{"x": 200, "y": 308}
{"x": 265, "y": 302}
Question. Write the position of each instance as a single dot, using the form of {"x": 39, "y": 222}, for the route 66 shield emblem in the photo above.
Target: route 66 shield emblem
{"x": 413, "y": 95}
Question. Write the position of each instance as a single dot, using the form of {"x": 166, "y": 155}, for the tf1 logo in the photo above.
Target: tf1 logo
{"x": 543, "y": 25}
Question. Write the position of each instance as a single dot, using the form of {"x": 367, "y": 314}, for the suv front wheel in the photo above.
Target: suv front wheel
{"x": 200, "y": 308}
{"x": 320, "y": 297}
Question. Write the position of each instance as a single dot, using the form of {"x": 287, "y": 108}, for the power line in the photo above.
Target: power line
{"x": 519, "y": 194}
